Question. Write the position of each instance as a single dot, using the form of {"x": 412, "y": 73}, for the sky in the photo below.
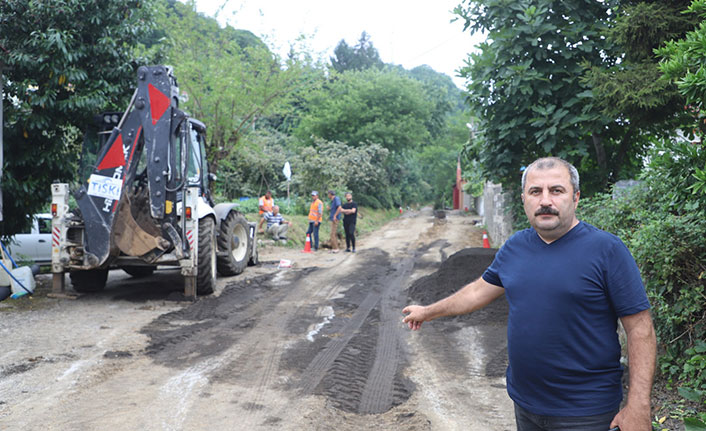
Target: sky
{"x": 406, "y": 32}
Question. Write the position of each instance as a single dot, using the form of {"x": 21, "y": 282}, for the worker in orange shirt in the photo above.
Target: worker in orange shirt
{"x": 316, "y": 211}
{"x": 265, "y": 204}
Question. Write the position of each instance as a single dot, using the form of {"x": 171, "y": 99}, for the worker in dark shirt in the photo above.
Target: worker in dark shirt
{"x": 350, "y": 215}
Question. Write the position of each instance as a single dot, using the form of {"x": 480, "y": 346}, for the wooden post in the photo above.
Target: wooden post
{"x": 57, "y": 283}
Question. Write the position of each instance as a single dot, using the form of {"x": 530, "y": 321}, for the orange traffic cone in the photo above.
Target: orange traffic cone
{"x": 307, "y": 245}
{"x": 486, "y": 243}
{"x": 400, "y": 210}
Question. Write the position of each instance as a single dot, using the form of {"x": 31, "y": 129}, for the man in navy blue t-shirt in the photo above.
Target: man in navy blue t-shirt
{"x": 334, "y": 217}
{"x": 567, "y": 284}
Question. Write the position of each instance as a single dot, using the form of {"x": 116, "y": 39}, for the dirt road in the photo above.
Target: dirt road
{"x": 319, "y": 346}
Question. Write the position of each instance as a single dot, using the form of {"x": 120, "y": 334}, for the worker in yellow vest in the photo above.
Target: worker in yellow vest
{"x": 265, "y": 204}
{"x": 316, "y": 211}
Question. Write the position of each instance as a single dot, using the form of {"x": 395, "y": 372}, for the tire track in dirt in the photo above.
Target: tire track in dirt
{"x": 315, "y": 372}
{"x": 378, "y": 395}
{"x": 360, "y": 369}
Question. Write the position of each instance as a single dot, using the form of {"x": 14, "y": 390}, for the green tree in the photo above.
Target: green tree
{"x": 636, "y": 102}
{"x": 449, "y": 133}
{"x": 65, "y": 60}
{"x": 417, "y": 115}
{"x": 231, "y": 78}
{"x": 256, "y": 165}
{"x": 524, "y": 85}
{"x": 376, "y": 106}
{"x": 683, "y": 63}
{"x": 445, "y": 98}
{"x": 359, "y": 57}
{"x": 337, "y": 166}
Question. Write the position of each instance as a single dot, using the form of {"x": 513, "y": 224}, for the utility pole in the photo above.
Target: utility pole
{"x": 2, "y": 125}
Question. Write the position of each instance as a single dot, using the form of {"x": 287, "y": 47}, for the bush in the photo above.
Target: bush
{"x": 663, "y": 223}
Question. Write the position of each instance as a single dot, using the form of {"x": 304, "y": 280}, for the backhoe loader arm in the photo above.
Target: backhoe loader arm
{"x": 147, "y": 125}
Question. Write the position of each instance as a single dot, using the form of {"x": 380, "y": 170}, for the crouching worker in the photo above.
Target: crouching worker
{"x": 276, "y": 224}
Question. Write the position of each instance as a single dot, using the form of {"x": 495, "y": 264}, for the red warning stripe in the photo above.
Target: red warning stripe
{"x": 114, "y": 157}
{"x": 159, "y": 103}
{"x": 190, "y": 238}
{"x": 56, "y": 234}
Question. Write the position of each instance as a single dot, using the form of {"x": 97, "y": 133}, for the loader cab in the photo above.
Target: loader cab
{"x": 193, "y": 133}
{"x": 94, "y": 138}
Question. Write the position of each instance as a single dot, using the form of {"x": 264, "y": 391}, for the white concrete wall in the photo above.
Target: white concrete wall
{"x": 495, "y": 217}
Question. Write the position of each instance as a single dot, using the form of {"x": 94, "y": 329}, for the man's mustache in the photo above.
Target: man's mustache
{"x": 546, "y": 210}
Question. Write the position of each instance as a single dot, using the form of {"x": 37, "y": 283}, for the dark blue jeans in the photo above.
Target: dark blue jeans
{"x": 314, "y": 231}
{"x": 527, "y": 421}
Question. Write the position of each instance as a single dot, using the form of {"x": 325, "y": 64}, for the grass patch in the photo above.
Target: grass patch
{"x": 368, "y": 221}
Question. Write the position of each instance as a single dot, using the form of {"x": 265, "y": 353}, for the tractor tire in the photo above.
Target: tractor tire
{"x": 92, "y": 280}
{"x": 206, "y": 278}
{"x": 234, "y": 244}
{"x": 136, "y": 271}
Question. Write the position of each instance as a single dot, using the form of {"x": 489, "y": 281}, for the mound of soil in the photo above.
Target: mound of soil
{"x": 455, "y": 272}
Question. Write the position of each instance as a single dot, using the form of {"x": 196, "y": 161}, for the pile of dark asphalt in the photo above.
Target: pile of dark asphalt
{"x": 455, "y": 272}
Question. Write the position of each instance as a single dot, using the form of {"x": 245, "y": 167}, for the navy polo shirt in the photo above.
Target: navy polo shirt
{"x": 565, "y": 299}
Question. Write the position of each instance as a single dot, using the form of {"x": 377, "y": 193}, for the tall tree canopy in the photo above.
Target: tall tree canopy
{"x": 524, "y": 83}
{"x": 577, "y": 79}
{"x": 636, "y": 102}
{"x": 361, "y": 56}
{"x": 372, "y": 105}
{"x": 683, "y": 62}
{"x": 64, "y": 62}
{"x": 417, "y": 115}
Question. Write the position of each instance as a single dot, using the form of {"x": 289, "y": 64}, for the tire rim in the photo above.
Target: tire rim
{"x": 239, "y": 243}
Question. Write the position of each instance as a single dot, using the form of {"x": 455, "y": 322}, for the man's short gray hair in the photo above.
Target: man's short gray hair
{"x": 550, "y": 162}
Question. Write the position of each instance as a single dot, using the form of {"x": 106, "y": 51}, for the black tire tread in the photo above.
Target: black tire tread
{"x": 92, "y": 280}
{"x": 138, "y": 271}
{"x": 206, "y": 279}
